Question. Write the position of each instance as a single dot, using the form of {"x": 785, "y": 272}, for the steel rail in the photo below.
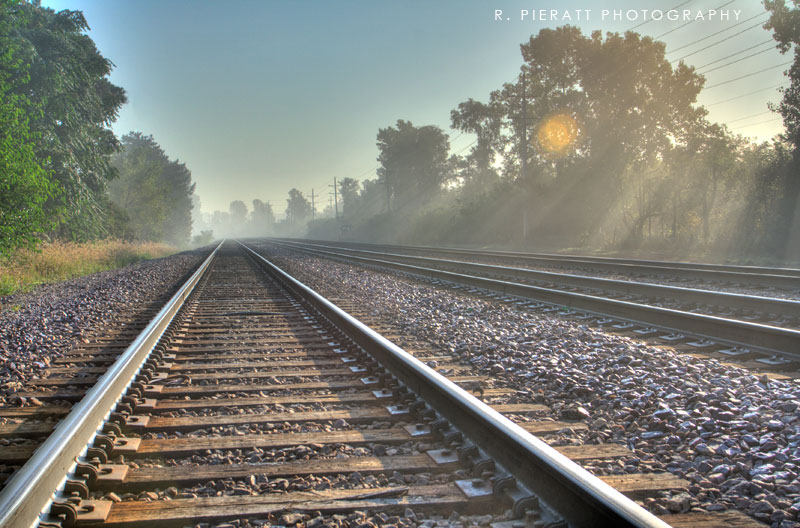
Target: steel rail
{"x": 754, "y": 276}
{"x": 581, "y": 498}
{"x": 771, "y": 339}
{"x": 31, "y": 490}
{"x": 709, "y": 297}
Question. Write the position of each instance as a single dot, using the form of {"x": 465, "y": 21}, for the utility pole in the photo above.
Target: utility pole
{"x": 313, "y": 205}
{"x": 335, "y": 199}
{"x": 524, "y": 164}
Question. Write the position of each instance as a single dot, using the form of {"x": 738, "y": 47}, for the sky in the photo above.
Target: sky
{"x": 259, "y": 96}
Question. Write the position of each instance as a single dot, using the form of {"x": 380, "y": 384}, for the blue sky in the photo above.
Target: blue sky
{"x": 259, "y": 96}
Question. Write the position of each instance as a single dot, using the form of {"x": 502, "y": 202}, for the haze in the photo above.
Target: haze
{"x": 260, "y": 97}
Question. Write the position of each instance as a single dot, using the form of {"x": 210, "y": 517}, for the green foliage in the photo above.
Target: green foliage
{"x": 413, "y": 164}
{"x": 643, "y": 169}
{"x": 72, "y": 104}
{"x": 25, "y": 185}
{"x": 298, "y": 209}
{"x": 203, "y": 239}
{"x": 785, "y": 22}
{"x": 153, "y": 191}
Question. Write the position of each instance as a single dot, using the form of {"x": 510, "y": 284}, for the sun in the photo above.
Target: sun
{"x": 557, "y": 134}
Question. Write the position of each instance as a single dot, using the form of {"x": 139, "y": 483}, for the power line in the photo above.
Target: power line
{"x": 650, "y": 19}
{"x": 689, "y": 22}
{"x": 716, "y": 43}
{"x": 748, "y": 75}
{"x": 465, "y": 148}
{"x": 720, "y": 31}
{"x": 737, "y": 60}
{"x": 759, "y": 123}
{"x": 748, "y": 117}
{"x": 745, "y": 95}
{"x": 733, "y": 54}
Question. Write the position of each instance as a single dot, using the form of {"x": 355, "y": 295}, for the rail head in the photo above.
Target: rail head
{"x": 582, "y": 498}
{"x": 31, "y": 490}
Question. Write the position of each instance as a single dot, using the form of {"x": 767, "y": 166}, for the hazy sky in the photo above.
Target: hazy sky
{"x": 259, "y": 96}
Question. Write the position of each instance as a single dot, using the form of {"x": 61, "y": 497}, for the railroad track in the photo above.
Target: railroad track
{"x": 251, "y": 397}
{"x": 753, "y": 276}
{"x": 767, "y": 345}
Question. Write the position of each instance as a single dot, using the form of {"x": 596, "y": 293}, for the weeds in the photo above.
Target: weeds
{"x": 60, "y": 261}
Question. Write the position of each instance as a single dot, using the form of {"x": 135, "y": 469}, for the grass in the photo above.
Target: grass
{"x": 58, "y": 261}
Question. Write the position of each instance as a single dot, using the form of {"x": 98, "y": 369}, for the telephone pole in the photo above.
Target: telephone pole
{"x": 335, "y": 199}
{"x": 524, "y": 164}
{"x": 313, "y": 205}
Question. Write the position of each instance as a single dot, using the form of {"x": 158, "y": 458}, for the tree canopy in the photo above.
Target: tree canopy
{"x": 72, "y": 107}
{"x": 25, "y": 186}
{"x": 413, "y": 163}
{"x": 154, "y": 191}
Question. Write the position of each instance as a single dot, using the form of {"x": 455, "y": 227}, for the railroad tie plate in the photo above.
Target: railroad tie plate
{"x": 418, "y": 429}
{"x": 147, "y": 404}
{"x": 92, "y": 511}
{"x": 474, "y": 488}
{"x": 136, "y": 422}
{"x": 112, "y": 473}
{"x": 153, "y": 390}
{"x": 124, "y": 445}
{"x": 776, "y": 362}
{"x": 737, "y": 352}
{"x": 443, "y": 456}
{"x": 701, "y": 343}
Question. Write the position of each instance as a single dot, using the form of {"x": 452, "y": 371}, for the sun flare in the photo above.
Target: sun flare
{"x": 557, "y": 134}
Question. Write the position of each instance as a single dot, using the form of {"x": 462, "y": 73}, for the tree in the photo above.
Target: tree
{"x": 24, "y": 185}
{"x": 238, "y": 212}
{"x": 348, "y": 189}
{"x": 590, "y": 118}
{"x": 262, "y": 219}
{"x": 154, "y": 191}
{"x": 413, "y": 164}
{"x": 298, "y": 208}
{"x": 785, "y": 23}
{"x": 73, "y": 105}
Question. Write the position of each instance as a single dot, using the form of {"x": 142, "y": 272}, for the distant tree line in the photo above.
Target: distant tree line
{"x": 58, "y": 154}
{"x": 599, "y": 143}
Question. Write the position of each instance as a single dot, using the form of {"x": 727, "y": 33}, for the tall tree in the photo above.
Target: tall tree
{"x": 24, "y": 185}
{"x": 413, "y": 163}
{"x": 262, "y": 219}
{"x": 69, "y": 83}
{"x": 587, "y": 116}
{"x": 348, "y": 189}
{"x": 298, "y": 209}
{"x": 785, "y": 23}
{"x": 154, "y": 191}
{"x": 238, "y": 212}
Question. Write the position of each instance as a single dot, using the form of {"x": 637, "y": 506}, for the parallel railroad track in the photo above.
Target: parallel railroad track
{"x": 752, "y": 276}
{"x": 250, "y": 396}
{"x": 738, "y": 337}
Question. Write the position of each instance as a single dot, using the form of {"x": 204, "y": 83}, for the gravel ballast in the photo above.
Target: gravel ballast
{"x": 39, "y": 326}
{"x": 734, "y": 434}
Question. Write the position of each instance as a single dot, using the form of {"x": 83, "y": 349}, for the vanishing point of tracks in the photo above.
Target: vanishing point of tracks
{"x": 251, "y": 397}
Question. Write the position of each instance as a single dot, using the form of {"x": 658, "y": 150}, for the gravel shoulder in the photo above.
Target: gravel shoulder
{"x": 733, "y": 434}
{"x": 39, "y": 326}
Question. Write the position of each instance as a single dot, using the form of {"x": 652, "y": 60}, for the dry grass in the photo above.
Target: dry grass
{"x": 59, "y": 261}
